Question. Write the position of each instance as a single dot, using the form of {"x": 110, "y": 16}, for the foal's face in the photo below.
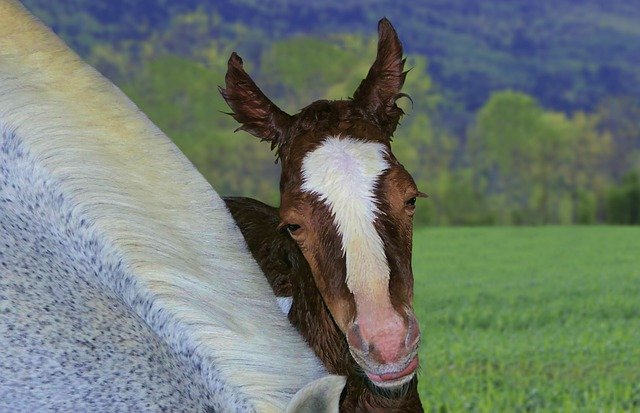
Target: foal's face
{"x": 349, "y": 205}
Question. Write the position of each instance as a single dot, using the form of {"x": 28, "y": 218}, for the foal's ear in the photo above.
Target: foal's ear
{"x": 257, "y": 114}
{"x": 379, "y": 91}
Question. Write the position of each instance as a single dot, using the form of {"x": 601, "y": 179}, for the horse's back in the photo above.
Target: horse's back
{"x": 125, "y": 285}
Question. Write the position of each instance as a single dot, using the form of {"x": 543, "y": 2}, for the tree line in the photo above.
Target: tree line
{"x": 512, "y": 162}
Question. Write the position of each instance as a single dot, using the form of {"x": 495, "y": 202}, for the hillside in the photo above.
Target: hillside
{"x": 568, "y": 54}
{"x": 523, "y": 113}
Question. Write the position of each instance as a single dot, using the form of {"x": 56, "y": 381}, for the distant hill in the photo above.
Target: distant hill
{"x": 487, "y": 138}
{"x": 568, "y": 54}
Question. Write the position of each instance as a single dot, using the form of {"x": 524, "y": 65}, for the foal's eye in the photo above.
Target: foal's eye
{"x": 293, "y": 228}
{"x": 411, "y": 202}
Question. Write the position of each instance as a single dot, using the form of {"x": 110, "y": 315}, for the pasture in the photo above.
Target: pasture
{"x": 529, "y": 319}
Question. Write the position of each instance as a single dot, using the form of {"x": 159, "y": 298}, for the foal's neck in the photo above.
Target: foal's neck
{"x": 311, "y": 317}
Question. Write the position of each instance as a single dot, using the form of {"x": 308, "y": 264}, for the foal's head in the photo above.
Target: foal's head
{"x": 348, "y": 203}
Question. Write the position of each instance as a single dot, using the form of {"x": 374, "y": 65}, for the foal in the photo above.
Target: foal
{"x": 347, "y": 205}
{"x": 292, "y": 281}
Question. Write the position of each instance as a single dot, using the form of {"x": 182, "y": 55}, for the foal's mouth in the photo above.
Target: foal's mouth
{"x": 392, "y": 379}
{"x": 389, "y": 376}
{"x": 396, "y": 378}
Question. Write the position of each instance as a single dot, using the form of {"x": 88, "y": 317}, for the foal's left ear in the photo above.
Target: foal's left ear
{"x": 379, "y": 91}
{"x": 251, "y": 108}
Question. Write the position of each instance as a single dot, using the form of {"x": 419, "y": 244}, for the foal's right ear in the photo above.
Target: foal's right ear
{"x": 257, "y": 114}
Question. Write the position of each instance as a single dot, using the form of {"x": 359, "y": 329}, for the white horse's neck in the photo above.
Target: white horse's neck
{"x": 184, "y": 267}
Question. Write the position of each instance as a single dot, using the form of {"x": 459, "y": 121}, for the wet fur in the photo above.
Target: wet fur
{"x": 289, "y": 275}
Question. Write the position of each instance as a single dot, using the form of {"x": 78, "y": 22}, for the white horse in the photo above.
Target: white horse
{"x": 125, "y": 284}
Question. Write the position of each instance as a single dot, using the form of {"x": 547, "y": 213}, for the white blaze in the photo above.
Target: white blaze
{"x": 343, "y": 173}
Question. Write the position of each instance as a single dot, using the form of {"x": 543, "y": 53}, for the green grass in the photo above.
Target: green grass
{"x": 529, "y": 319}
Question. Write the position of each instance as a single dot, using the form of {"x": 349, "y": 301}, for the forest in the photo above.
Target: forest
{"x": 521, "y": 113}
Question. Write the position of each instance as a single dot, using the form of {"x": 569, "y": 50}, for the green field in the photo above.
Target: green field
{"x": 529, "y": 319}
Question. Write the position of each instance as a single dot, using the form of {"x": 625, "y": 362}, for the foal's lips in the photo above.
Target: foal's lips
{"x": 396, "y": 375}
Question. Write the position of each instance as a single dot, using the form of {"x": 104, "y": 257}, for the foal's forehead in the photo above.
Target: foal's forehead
{"x": 344, "y": 167}
{"x": 335, "y": 118}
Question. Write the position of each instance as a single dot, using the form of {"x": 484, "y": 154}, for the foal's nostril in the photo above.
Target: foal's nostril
{"x": 413, "y": 333}
{"x": 355, "y": 339}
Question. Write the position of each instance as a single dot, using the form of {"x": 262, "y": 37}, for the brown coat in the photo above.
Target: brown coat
{"x": 290, "y": 276}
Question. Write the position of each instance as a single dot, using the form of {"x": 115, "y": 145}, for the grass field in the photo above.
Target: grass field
{"x": 529, "y": 319}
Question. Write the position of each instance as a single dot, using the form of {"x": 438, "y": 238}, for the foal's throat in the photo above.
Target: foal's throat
{"x": 310, "y": 315}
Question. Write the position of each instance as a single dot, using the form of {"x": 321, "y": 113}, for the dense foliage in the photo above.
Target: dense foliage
{"x": 523, "y": 112}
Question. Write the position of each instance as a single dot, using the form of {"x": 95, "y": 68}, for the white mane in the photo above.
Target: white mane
{"x": 179, "y": 261}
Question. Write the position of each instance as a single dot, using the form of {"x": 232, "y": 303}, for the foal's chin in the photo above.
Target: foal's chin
{"x": 391, "y": 378}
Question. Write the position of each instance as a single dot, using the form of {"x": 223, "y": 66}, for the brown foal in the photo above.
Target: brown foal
{"x": 340, "y": 243}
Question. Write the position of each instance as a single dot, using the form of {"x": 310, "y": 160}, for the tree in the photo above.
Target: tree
{"x": 538, "y": 167}
{"x": 623, "y": 205}
{"x": 181, "y": 97}
{"x": 620, "y": 117}
{"x": 303, "y": 69}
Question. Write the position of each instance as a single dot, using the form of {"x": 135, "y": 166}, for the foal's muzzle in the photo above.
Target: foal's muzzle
{"x": 386, "y": 347}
